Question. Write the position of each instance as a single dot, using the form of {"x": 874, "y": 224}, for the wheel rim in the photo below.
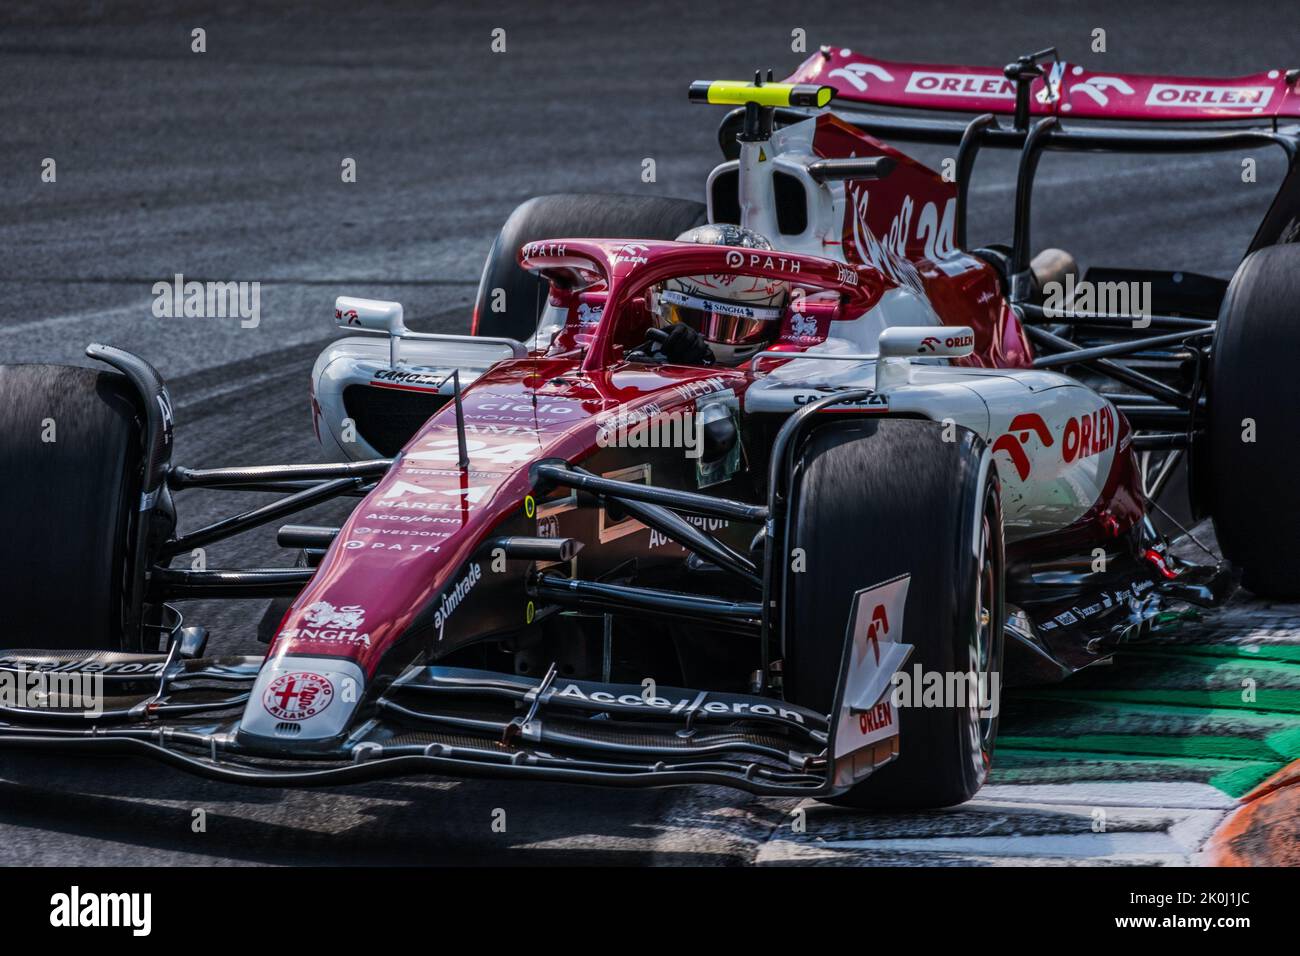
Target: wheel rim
{"x": 981, "y": 719}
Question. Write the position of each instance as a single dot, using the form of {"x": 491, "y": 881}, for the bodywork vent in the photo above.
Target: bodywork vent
{"x": 387, "y": 418}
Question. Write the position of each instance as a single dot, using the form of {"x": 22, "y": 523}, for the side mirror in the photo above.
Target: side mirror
{"x": 373, "y": 315}
{"x": 927, "y": 341}
{"x": 901, "y": 343}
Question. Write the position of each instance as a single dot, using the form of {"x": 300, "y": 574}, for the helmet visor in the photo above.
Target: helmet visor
{"x": 726, "y": 323}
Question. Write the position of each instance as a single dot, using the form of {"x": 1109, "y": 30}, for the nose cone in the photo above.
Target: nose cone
{"x": 406, "y": 563}
{"x": 297, "y": 699}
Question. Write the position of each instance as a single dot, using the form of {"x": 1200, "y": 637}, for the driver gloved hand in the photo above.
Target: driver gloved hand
{"x": 678, "y": 345}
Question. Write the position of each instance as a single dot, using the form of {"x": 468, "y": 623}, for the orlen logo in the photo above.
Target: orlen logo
{"x": 633, "y": 252}
{"x": 930, "y": 343}
{"x": 1088, "y": 434}
{"x": 961, "y": 84}
{"x": 879, "y": 625}
{"x": 1190, "y": 96}
{"x": 877, "y": 718}
{"x": 881, "y": 715}
{"x": 350, "y": 315}
{"x": 856, "y": 74}
{"x": 1017, "y": 436}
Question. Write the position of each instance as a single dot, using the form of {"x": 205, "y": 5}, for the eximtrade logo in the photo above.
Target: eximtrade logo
{"x": 453, "y": 598}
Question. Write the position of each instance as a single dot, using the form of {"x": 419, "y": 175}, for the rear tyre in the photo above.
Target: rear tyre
{"x": 70, "y": 457}
{"x": 566, "y": 216}
{"x": 871, "y": 500}
{"x": 1253, "y": 430}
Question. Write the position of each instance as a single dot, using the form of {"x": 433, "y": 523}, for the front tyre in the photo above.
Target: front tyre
{"x": 873, "y": 499}
{"x": 70, "y": 457}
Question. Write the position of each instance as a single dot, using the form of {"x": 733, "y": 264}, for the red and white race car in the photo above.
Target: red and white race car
{"x": 713, "y": 493}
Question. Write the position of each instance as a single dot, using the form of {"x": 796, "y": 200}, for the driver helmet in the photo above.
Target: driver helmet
{"x": 737, "y": 315}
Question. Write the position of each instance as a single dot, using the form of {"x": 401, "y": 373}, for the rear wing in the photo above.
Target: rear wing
{"x": 1064, "y": 90}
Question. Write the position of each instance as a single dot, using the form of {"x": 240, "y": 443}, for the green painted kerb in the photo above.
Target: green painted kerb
{"x": 1216, "y": 714}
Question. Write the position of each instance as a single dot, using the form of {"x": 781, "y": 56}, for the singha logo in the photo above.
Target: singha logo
{"x": 1017, "y": 436}
{"x": 324, "y": 614}
{"x": 803, "y": 326}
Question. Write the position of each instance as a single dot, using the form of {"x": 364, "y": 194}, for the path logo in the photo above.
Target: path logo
{"x": 297, "y": 696}
{"x": 1017, "y": 437}
{"x": 879, "y": 625}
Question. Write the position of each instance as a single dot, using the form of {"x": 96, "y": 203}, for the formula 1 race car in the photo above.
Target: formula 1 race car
{"x": 708, "y": 486}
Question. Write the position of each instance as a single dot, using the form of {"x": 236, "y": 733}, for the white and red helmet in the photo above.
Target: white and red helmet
{"x": 737, "y": 315}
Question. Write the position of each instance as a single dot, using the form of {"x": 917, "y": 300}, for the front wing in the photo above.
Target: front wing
{"x": 434, "y": 720}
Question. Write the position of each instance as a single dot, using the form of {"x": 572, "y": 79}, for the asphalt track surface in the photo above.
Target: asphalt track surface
{"x": 226, "y": 165}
